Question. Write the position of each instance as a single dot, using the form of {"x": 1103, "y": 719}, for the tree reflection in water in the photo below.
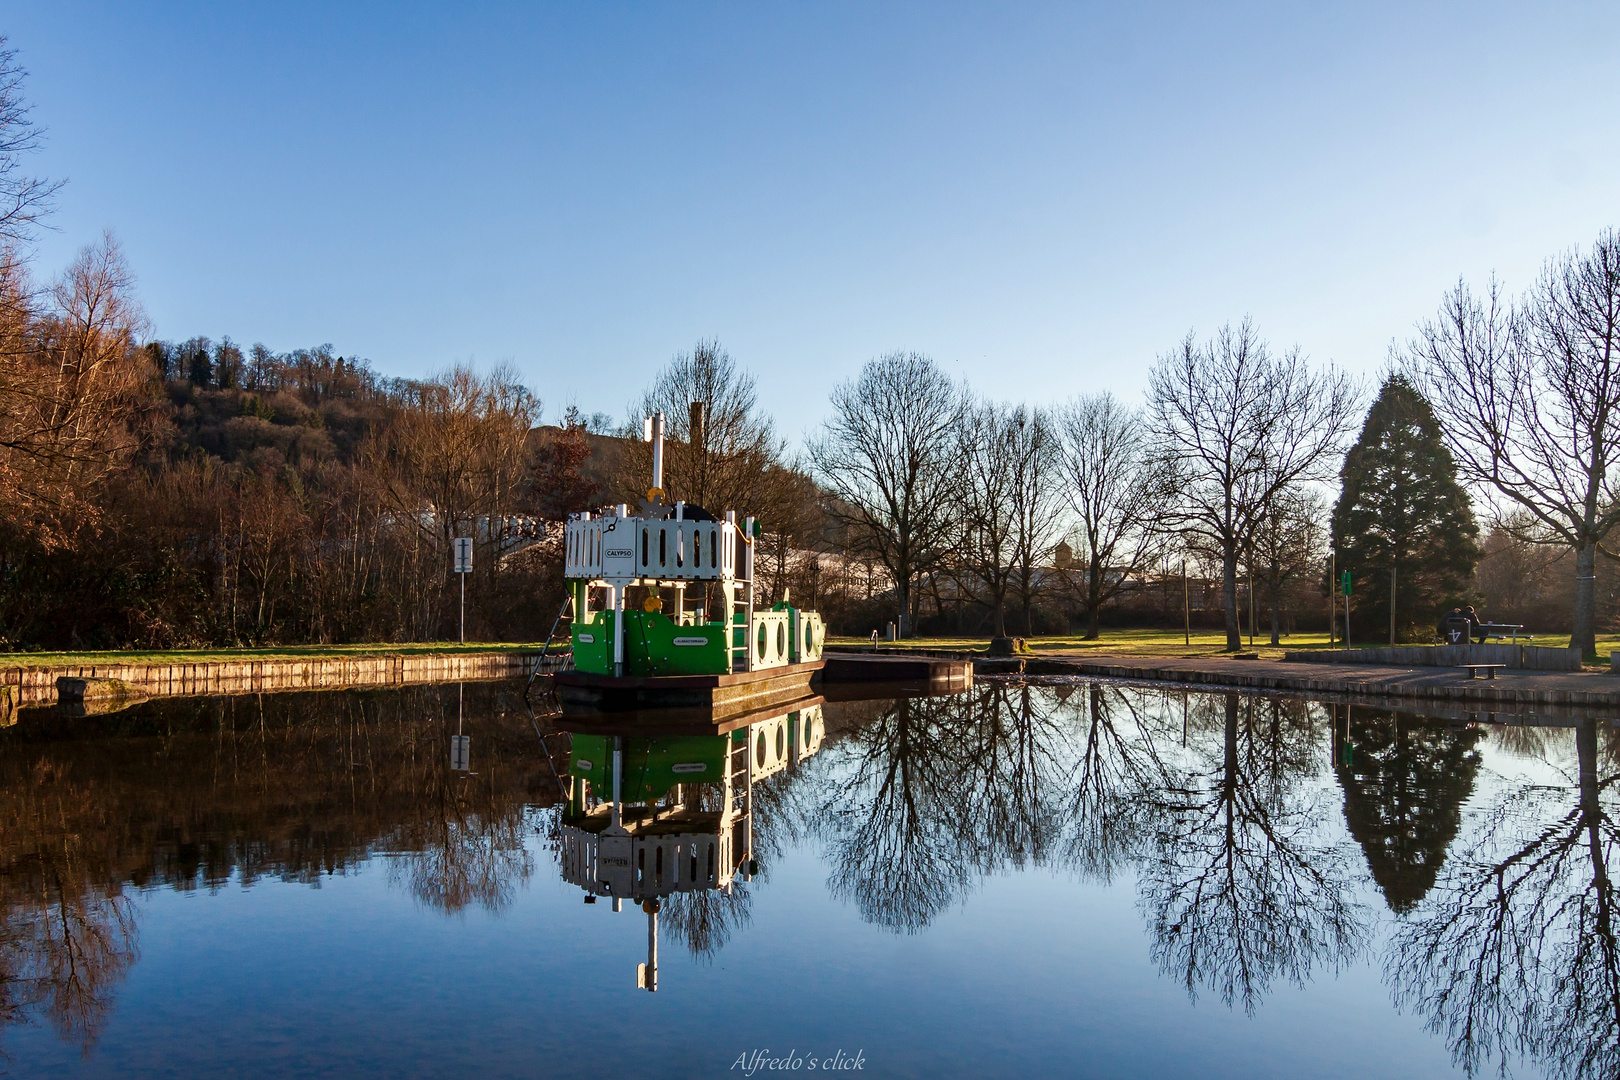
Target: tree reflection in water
{"x": 1242, "y": 883}
{"x": 1513, "y": 952}
{"x": 67, "y": 938}
{"x": 889, "y": 813}
{"x": 705, "y": 920}
{"x": 1210, "y": 802}
{"x": 1120, "y": 783}
{"x": 191, "y": 793}
{"x": 1405, "y": 779}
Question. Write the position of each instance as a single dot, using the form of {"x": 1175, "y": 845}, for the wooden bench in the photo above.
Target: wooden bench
{"x": 1488, "y": 669}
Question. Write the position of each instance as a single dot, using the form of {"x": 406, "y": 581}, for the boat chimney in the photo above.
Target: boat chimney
{"x": 653, "y": 431}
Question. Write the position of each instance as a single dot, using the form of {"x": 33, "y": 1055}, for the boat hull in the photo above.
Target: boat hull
{"x": 584, "y": 692}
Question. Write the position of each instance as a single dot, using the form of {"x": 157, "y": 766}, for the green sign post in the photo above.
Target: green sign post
{"x": 1347, "y": 583}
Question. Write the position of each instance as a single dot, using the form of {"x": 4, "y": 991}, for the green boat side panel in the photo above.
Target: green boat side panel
{"x": 593, "y": 643}
{"x": 651, "y": 766}
{"x": 653, "y": 645}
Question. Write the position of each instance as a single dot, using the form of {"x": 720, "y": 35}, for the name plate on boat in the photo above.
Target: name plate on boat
{"x": 690, "y": 641}
{"x": 587, "y": 639}
{"x": 689, "y": 767}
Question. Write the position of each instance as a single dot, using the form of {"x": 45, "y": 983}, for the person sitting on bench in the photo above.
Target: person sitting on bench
{"x": 1476, "y": 631}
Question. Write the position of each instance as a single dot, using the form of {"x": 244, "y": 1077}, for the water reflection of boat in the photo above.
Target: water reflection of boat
{"x": 648, "y": 817}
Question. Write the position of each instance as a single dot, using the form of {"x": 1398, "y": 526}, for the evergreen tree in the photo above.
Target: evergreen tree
{"x": 1401, "y": 509}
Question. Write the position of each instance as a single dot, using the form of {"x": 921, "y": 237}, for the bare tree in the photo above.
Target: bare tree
{"x": 720, "y": 446}
{"x": 886, "y": 455}
{"x": 1118, "y": 490}
{"x": 1238, "y": 424}
{"x": 1037, "y": 503}
{"x": 988, "y": 451}
{"x": 454, "y": 459}
{"x": 24, "y": 199}
{"x": 1528, "y": 397}
{"x": 1287, "y": 545}
{"x": 70, "y": 387}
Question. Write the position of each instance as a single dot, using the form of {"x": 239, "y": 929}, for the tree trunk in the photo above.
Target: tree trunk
{"x": 1001, "y": 616}
{"x": 1585, "y": 635}
{"x": 1276, "y": 615}
{"x": 1592, "y": 812}
{"x": 1093, "y": 602}
{"x": 1234, "y": 637}
{"x": 902, "y": 593}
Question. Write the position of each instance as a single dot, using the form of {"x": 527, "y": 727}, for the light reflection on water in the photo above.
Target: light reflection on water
{"x": 957, "y": 884}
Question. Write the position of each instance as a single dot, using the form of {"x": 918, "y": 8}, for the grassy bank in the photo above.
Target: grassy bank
{"x": 276, "y": 652}
{"x": 1172, "y": 643}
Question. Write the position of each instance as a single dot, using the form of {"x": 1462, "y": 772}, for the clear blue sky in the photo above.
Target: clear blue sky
{"x": 1041, "y": 197}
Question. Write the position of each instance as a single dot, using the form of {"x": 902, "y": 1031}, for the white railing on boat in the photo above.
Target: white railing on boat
{"x": 669, "y": 550}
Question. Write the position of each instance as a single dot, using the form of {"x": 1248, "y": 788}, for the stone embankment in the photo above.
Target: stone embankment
{"x": 1526, "y": 657}
{"x": 21, "y": 686}
{"x": 1421, "y": 687}
{"x": 1394, "y": 687}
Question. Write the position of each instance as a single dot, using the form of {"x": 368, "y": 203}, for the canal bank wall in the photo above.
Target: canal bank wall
{"x": 1527, "y": 657}
{"x": 1416, "y": 687}
{"x": 21, "y": 686}
{"x": 1517, "y": 691}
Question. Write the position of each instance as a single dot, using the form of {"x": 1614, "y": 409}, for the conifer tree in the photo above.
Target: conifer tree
{"x": 1400, "y": 508}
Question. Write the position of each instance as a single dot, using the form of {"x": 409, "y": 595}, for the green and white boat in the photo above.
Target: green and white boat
{"x": 685, "y": 564}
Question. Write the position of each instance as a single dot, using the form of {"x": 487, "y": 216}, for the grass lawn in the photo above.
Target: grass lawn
{"x": 1172, "y": 643}
{"x": 276, "y": 652}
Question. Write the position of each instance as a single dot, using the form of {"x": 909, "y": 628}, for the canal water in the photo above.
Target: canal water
{"x": 1073, "y": 879}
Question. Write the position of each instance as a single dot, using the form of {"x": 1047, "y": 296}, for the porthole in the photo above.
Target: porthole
{"x": 781, "y": 741}
{"x": 809, "y": 637}
{"x": 759, "y": 645}
{"x": 759, "y": 750}
{"x": 781, "y": 639}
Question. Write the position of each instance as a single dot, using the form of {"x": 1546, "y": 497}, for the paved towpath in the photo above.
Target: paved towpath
{"x": 1525, "y": 689}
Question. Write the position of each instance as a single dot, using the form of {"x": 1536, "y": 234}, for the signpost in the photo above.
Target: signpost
{"x": 460, "y": 745}
{"x": 464, "y": 546}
